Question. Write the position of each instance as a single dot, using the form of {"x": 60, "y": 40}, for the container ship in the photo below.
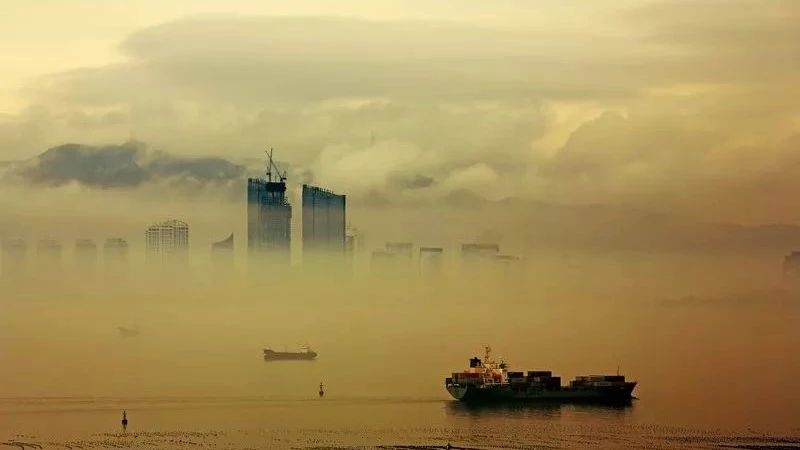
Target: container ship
{"x": 490, "y": 381}
{"x": 305, "y": 355}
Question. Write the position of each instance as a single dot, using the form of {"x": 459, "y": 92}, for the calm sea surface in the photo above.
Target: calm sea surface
{"x": 713, "y": 371}
{"x": 185, "y": 423}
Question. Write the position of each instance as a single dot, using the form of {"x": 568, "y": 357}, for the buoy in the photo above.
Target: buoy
{"x": 124, "y": 418}
{"x": 321, "y": 390}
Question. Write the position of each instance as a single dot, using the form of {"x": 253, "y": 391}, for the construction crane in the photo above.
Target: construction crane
{"x": 270, "y": 165}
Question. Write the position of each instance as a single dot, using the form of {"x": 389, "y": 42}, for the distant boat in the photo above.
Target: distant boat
{"x": 128, "y": 332}
{"x": 305, "y": 355}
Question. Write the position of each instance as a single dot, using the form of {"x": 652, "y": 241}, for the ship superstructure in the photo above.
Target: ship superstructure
{"x": 487, "y": 380}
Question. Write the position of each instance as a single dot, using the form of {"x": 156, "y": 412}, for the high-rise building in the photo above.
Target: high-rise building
{"x": 14, "y": 257}
{"x": 431, "y": 260}
{"x": 167, "y": 241}
{"x": 115, "y": 256}
{"x": 508, "y": 265}
{"x": 791, "y": 266}
{"x": 222, "y": 251}
{"x": 85, "y": 255}
{"x": 115, "y": 250}
{"x": 48, "y": 257}
{"x": 269, "y": 216}
{"x": 404, "y": 250}
{"x": 323, "y": 220}
{"x": 478, "y": 259}
{"x": 383, "y": 262}
{"x": 479, "y": 251}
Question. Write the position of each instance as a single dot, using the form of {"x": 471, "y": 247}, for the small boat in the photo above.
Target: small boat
{"x": 305, "y": 355}
{"x": 128, "y": 332}
{"x": 321, "y": 390}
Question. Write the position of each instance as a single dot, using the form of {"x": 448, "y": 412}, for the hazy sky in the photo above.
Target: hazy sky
{"x": 676, "y": 106}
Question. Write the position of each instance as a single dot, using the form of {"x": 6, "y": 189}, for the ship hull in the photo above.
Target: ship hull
{"x": 505, "y": 393}
{"x": 288, "y": 356}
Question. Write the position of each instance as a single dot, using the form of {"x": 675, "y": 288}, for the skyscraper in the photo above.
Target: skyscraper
{"x": 14, "y": 257}
{"x": 404, "y": 250}
{"x": 85, "y": 254}
{"x": 48, "y": 257}
{"x": 115, "y": 255}
{"x": 324, "y": 216}
{"x": 269, "y": 216}
{"x": 430, "y": 261}
{"x": 222, "y": 251}
{"x": 477, "y": 259}
{"x": 167, "y": 241}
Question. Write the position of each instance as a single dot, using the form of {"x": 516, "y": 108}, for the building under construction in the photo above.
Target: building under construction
{"x": 269, "y": 215}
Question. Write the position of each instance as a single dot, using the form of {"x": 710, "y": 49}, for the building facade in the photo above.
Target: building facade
{"x": 167, "y": 241}
{"x": 115, "y": 250}
{"x": 269, "y": 220}
{"x": 85, "y": 256}
{"x": 222, "y": 251}
{"x": 324, "y": 218}
{"x": 431, "y": 261}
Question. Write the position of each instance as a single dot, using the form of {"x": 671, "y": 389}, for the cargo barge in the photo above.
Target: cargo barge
{"x": 305, "y": 355}
{"x": 488, "y": 381}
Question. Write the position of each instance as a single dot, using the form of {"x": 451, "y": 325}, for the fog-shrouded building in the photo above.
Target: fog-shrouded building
{"x": 508, "y": 265}
{"x": 479, "y": 251}
{"x": 222, "y": 251}
{"x": 403, "y": 250}
{"x": 115, "y": 251}
{"x": 14, "y": 257}
{"x": 324, "y": 218}
{"x": 167, "y": 241}
{"x": 431, "y": 260}
{"x": 478, "y": 259}
{"x": 269, "y": 217}
{"x": 382, "y": 262}
{"x": 85, "y": 256}
{"x": 791, "y": 266}
{"x": 48, "y": 256}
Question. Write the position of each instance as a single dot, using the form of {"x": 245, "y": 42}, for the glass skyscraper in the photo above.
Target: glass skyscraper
{"x": 324, "y": 216}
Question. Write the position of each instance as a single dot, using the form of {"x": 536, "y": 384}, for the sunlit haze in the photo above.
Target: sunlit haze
{"x": 603, "y": 187}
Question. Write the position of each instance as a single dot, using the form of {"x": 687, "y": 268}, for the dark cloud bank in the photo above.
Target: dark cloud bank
{"x": 118, "y": 166}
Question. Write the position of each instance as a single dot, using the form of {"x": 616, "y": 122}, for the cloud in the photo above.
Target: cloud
{"x": 119, "y": 166}
{"x": 686, "y": 108}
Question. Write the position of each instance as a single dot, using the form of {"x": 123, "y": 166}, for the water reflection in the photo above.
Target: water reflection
{"x": 544, "y": 411}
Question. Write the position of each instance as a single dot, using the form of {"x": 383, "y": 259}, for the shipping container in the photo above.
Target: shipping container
{"x": 539, "y": 373}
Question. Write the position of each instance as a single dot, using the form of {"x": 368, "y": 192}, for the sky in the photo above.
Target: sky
{"x": 679, "y": 108}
